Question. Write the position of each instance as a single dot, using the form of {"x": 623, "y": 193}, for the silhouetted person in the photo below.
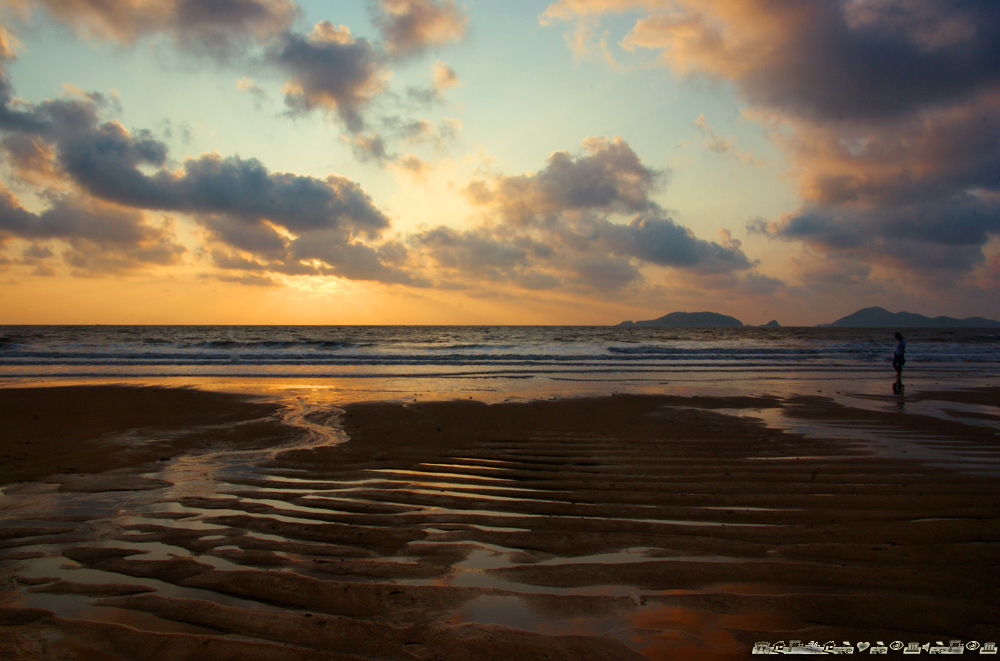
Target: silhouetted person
{"x": 898, "y": 360}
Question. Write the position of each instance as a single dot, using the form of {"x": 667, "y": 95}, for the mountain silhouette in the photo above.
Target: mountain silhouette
{"x": 876, "y": 317}
{"x": 690, "y": 320}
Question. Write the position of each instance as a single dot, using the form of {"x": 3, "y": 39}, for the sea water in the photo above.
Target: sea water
{"x": 493, "y": 360}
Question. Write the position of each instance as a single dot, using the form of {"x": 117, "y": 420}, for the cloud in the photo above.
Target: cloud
{"x": 937, "y": 152}
{"x": 413, "y": 166}
{"x": 330, "y": 69}
{"x": 279, "y": 221}
{"x": 8, "y": 44}
{"x": 482, "y": 254}
{"x": 356, "y": 261}
{"x": 918, "y": 194}
{"x": 110, "y": 162}
{"x": 256, "y": 92}
{"x": 217, "y": 28}
{"x": 558, "y": 228}
{"x": 31, "y": 159}
{"x": 943, "y": 234}
{"x": 888, "y": 109}
{"x": 714, "y": 142}
{"x": 423, "y": 131}
{"x": 832, "y": 59}
{"x": 327, "y": 68}
{"x": 410, "y": 27}
{"x": 604, "y": 272}
{"x": 444, "y": 77}
{"x": 659, "y": 240}
{"x": 250, "y": 279}
{"x": 375, "y": 147}
{"x": 609, "y": 178}
{"x": 371, "y": 147}
{"x": 102, "y": 237}
{"x": 37, "y": 251}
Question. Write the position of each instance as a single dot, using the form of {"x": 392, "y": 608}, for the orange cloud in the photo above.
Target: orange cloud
{"x": 213, "y": 26}
{"x": 413, "y": 26}
{"x": 444, "y": 77}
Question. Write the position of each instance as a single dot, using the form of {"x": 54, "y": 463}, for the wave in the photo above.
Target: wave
{"x": 453, "y": 351}
{"x": 693, "y": 359}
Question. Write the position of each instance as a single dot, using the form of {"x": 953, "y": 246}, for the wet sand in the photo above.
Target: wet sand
{"x": 624, "y": 527}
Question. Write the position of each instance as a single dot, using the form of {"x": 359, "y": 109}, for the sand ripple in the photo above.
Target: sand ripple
{"x": 617, "y": 528}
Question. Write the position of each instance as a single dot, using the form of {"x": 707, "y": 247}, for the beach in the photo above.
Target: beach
{"x": 177, "y": 523}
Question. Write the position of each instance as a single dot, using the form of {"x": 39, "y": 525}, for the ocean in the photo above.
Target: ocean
{"x": 492, "y": 360}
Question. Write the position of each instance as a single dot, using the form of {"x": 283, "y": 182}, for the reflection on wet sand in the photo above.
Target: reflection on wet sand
{"x": 618, "y": 528}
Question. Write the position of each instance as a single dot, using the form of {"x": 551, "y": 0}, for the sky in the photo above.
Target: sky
{"x": 487, "y": 162}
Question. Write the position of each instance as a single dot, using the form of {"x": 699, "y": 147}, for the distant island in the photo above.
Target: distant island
{"x": 690, "y": 320}
{"x": 876, "y": 317}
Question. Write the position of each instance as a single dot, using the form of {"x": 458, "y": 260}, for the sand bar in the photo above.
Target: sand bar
{"x": 623, "y": 527}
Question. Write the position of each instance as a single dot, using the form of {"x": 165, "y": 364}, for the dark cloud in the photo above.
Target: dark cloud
{"x": 608, "y": 178}
{"x": 101, "y": 237}
{"x": 284, "y": 222}
{"x": 833, "y": 59}
{"x": 935, "y": 154}
{"x": 556, "y": 227}
{"x": 756, "y": 284}
{"x": 662, "y": 241}
{"x": 471, "y": 250}
{"x": 247, "y": 191}
{"x": 17, "y": 118}
{"x": 881, "y": 67}
{"x": 941, "y": 234}
{"x": 919, "y": 194}
{"x": 90, "y": 259}
{"x": 482, "y": 254}
{"x": 30, "y": 158}
{"x": 107, "y": 160}
{"x": 890, "y": 110}
{"x": 604, "y": 272}
{"x": 330, "y": 69}
{"x": 413, "y": 26}
{"x": 37, "y": 251}
{"x": 15, "y": 220}
{"x": 258, "y": 238}
{"x": 325, "y": 253}
{"x": 355, "y": 260}
{"x": 371, "y": 147}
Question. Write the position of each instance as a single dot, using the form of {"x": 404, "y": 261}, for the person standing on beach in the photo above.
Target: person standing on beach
{"x": 898, "y": 360}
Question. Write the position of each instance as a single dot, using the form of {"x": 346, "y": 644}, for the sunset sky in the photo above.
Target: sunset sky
{"x": 487, "y": 162}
